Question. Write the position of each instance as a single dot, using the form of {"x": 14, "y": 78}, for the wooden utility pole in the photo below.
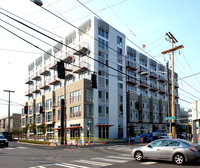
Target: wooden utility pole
{"x": 9, "y": 91}
{"x": 173, "y": 40}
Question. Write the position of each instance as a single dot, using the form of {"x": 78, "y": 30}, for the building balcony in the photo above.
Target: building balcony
{"x": 67, "y": 57}
{"x": 54, "y": 80}
{"x": 68, "y": 75}
{"x": 53, "y": 64}
{"x": 153, "y": 87}
{"x": 36, "y": 89}
{"x": 161, "y": 78}
{"x": 28, "y": 93}
{"x": 36, "y": 76}
{"x": 82, "y": 49}
{"x": 176, "y": 85}
{"x": 142, "y": 69}
{"x": 162, "y": 90}
{"x": 131, "y": 80}
{"x": 153, "y": 75}
{"x": 28, "y": 80}
{"x": 45, "y": 71}
{"x": 143, "y": 84}
{"x": 44, "y": 85}
{"x": 81, "y": 67}
{"x": 131, "y": 65}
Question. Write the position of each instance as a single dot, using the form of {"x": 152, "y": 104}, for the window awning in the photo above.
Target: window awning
{"x": 74, "y": 127}
{"x": 104, "y": 125}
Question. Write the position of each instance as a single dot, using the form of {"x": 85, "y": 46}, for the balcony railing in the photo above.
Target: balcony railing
{"x": 143, "y": 84}
{"x": 36, "y": 76}
{"x": 131, "y": 80}
{"x": 67, "y": 57}
{"x": 28, "y": 80}
{"x": 161, "y": 78}
{"x": 81, "y": 67}
{"x": 153, "y": 75}
{"x": 53, "y": 64}
{"x": 45, "y": 71}
{"x": 29, "y": 92}
{"x": 36, "y": 89}
{"x": 153, "y": 87}
{"x": 68, "y": 75}
{"x": 162, "y": 90}
{"x": 54, "y": 80}
{"x": 44, "y": 85}
{"x": 82, "y": 49}
{"x": 132, "y": 65}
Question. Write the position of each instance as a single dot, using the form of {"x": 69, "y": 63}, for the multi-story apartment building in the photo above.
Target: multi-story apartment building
{"x": 96, "y": 47}
{"x": 149, "y": 90}
{"x": 15, "y": 122}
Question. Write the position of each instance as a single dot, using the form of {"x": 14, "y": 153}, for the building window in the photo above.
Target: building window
{"x": 38, "y": 105}
{"x": 48, "y": 104}
{"x": 38, "y": 119}
{"x": 75, "y": 111}
{"x": 48, "y": 116}
{"x": 89, "y": 110}
{"x": 89, "y": 95}
{"x": 75, "y": 96}
{"x": 30, "y": 110}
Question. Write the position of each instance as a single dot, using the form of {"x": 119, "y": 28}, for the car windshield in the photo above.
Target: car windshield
{"x": 1, "y": 137}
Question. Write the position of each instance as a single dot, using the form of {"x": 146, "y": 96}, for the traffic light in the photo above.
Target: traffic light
{"x": 61, "y": 70}
{"x": 94, "y": 81}
{"x": 137, "y": 105}
{"x": 89, "y": 124}
{"x": 41, "y": 109}
{"x": 25, "y": 109}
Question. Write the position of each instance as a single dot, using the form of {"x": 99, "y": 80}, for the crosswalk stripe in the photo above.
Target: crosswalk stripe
{"x": 128, "y": 155}
{"x": 110, "y": 160}
{"x": 10, "y": 148}
{"x": 93, "y": 162}
{"x": 118, "y": 157}
{"x": 70, "y": 165}
{"x": 148, "y": 163}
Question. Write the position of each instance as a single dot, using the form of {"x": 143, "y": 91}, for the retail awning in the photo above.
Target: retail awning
{"x": 74, "y": 127}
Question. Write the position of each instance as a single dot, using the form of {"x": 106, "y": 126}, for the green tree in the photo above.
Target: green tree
{"x": 16, "y": 132}
{"x": 33, "y": 129}
{"x": 25, "y": 130}
{"x": 42, "y": 128}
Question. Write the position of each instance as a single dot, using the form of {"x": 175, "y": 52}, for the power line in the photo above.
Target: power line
{"x": 19, "y": 51}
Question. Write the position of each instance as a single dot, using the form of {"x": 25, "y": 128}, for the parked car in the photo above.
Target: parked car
{"x": 176, "y": 150}
{"x": 3, "y": 141}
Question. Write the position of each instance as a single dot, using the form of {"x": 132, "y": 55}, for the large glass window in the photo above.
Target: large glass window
{"x": 75, "y": 111}
{"x": 75, "y": 96}
{"x": 48, "y": 116}
{"x": 48, "y": 104}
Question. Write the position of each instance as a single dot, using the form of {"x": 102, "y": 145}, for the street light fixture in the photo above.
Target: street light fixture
{"x": 37, "y": 2}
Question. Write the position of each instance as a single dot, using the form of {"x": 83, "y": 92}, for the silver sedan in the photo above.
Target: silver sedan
{"x": 176, "y": 150}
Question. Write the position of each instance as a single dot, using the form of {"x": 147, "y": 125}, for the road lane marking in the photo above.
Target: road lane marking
{"x": 93, "y": 162}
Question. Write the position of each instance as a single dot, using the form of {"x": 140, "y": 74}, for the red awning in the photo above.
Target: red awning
{"x": 102, "y": 125}
{"x": 74, "y": 127}
{"x": 56, "y": 128}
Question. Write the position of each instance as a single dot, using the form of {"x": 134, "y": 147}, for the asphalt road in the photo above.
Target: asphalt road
{"x": 19, "y": 155}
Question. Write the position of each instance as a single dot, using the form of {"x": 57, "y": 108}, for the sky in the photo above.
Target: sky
{"x": 144, "y": 22}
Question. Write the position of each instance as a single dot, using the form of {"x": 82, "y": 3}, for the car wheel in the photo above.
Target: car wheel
{"x": 178, "y": 158}
{"x": 138, "y": 156}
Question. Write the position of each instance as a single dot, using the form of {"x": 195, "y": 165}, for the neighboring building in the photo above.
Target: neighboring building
{"x": 183, "y": 116}
{"x": 190, "y": 116}
{"x": 15, "y": 122}
{"x": 111, "y": 107}
{"x": 150, "y": 92}
{"x": 196, "y": 121}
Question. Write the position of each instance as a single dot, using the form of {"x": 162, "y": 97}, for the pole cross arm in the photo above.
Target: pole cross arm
{"x": 172, "y": 49}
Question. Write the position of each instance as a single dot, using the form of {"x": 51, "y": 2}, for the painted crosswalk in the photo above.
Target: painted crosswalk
{"x": 91, "y": 162}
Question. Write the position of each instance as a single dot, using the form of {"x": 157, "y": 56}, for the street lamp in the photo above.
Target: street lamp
{"x": 37, "y": 2}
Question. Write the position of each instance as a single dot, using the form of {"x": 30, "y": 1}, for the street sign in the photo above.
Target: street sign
{"x": 170, "y": 118}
